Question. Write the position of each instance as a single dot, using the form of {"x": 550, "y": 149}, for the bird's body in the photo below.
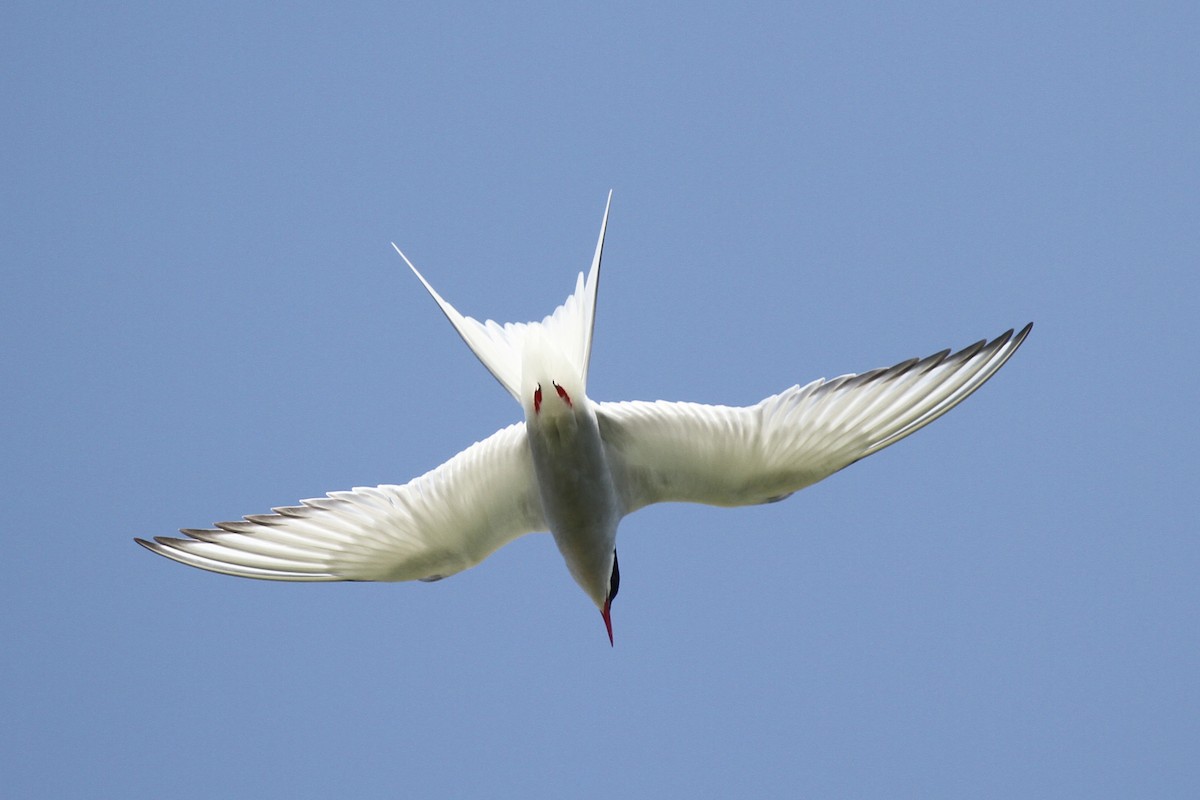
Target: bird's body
{"x": 576, "y": 468}
{"x": 579, "y": 499}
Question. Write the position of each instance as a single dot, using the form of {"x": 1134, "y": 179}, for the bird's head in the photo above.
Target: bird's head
{"x": 614, "y": 583}
{"x": 600, "y": 579}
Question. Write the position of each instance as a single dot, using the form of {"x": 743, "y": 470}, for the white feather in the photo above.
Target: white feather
{"x": 726, "y": 456}
{"x": 501, "y": 348}
{"x": 445, "y": 521}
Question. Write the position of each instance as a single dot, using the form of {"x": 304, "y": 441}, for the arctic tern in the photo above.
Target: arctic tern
{"x": 575, "y": 467}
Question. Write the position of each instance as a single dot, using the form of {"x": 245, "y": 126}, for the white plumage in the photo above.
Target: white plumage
{"x": 575, "y": 467}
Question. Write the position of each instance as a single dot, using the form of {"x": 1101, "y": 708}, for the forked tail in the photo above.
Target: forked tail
{"x": 501, "y": 347}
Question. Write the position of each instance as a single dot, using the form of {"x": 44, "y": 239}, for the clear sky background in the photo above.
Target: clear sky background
{"x": 202, "y": 318}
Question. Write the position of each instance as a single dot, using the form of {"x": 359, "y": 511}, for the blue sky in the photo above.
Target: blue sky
{"x": 203, "y": 318}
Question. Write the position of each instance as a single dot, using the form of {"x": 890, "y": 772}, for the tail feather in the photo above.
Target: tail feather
{"x": 500, "y": 347}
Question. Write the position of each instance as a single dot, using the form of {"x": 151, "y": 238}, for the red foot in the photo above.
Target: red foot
{"x": 563, "y": 394}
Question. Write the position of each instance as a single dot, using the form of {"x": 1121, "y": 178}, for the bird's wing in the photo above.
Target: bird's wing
{"x": 662, "y": 451}
{"x": 501, "y": 347}
{"x": 445, "y": 521}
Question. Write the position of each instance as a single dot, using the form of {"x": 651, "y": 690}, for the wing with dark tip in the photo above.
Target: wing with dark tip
{"x": 724, "y": 456}
{"x": 443, "y": 522}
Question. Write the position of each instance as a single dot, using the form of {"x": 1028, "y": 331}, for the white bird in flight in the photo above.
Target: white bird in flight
{"x": 576, "y": 467}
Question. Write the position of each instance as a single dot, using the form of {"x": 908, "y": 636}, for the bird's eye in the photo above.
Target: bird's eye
{"x": 614, "y": 583}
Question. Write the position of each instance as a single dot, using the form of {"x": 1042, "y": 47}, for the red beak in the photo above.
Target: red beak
{"x": 608, "y": 620}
